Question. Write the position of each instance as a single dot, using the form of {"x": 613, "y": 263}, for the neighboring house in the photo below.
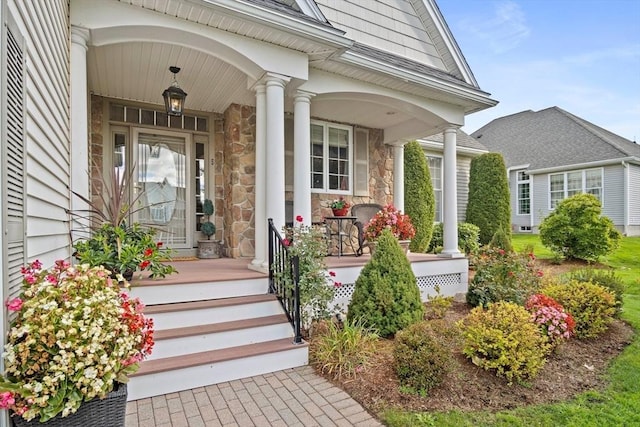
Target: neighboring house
{"x": 468, "y": 148}
{"x": 552, "y": 154}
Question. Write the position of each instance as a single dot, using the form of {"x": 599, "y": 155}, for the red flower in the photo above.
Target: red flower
{"x": 332, "y": 273}
{"x": 286, "y": 242}
{"x": 337, "y": 284}
{"x": 159, "y": 244}
{"x": 299, "y": 218}
{"x": 148, "y": 252}
{"x": 144, "y": 264}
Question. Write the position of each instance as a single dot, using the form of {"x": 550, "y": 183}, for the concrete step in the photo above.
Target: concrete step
{"x": 172, "y": 374}
{"x": 215, "y": 336}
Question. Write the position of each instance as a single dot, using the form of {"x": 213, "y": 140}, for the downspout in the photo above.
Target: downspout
{"x": 625, "y": 227}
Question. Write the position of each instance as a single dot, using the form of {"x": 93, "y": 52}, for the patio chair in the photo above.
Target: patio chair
{"x": 363, "y": 213}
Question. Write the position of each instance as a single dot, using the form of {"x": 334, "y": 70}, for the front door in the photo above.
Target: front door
{"x": 162, "y": 179}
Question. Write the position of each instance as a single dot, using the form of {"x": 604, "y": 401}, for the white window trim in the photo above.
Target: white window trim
{"x": 518, "y": 182}
{"x": 441, "y": 182}
{"x": 325, "y": 155}
{"x": 583, "y": 183}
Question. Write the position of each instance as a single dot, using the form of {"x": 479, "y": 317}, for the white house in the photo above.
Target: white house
{"x": 287, "y": 100}
{"x": 552, "y": 154}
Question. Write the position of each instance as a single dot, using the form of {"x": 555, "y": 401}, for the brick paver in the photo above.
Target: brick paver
{"x": 293, "y": 397}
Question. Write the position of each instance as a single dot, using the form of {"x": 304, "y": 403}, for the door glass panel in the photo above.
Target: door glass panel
{"x": 162, "y": 177}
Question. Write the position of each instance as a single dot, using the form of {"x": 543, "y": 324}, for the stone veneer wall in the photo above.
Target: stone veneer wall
{"x": 239, "y": 180}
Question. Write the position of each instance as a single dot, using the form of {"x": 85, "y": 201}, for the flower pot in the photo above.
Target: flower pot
{"x": 208, "y": 249}
{"x": 107, "y": 412}
{"x": 340, "y": 212}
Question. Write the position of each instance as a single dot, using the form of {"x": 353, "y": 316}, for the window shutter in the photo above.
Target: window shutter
{"x": 14, "y": 171}
{"x": 361, "y": 163}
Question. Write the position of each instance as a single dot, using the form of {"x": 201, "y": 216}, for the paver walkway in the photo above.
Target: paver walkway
{"x": 293, "y": 397}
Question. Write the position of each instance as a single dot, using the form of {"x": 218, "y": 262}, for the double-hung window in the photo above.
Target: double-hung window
{"x": 435, "y": 170}
{"x": 331, "y": 158}
{"x": 567, "y": 184}
{"x": 524, "y": 199}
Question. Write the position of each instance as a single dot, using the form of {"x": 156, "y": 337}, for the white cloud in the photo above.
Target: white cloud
{"x": 502, "y": 31}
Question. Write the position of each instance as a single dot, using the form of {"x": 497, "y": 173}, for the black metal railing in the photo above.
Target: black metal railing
{"x": 284, "y": 279}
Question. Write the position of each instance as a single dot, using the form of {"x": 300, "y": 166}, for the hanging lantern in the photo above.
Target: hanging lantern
{"x": 174, "y": 96}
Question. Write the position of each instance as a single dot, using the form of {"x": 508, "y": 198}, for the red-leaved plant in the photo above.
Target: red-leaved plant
{"x": 391, "y": 218}
{"x": 549, "y": 315}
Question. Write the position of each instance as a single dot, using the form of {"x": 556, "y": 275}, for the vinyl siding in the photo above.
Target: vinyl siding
{"x": 613, "y": 194}
{"x": 389, "y": 25}
{"x": 634, "y": 197}
{"x": 539, "y": 199}
{"x": 45, "y": 26}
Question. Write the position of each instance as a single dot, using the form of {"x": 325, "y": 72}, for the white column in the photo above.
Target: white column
{"x": 449, "y": 187}
{"x": 260, "y": 185}
{"x": 398, "y": 177}
{"x": 301, "y": 156}
{"x": 79, "y": 122}
{"x": 275, "y": 148}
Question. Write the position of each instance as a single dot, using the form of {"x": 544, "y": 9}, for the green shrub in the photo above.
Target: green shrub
{"x": 503, "y": 276}
{"x": 576, "y": 229}
{"x": 342, "y": 351}
{"x": 489, "y": 205}
{"x": 436, "y": 306}
{"x": 592, "y": 306}
{"x": 386, "y": 297}
{"x": 501, "y": 240}
{"x": 503, "y": 337}
{"x": 419, "y": 200}
{"x": 467, "y": 238}
{"x": 421, "y": 356}
{"x": 608, "y": 279}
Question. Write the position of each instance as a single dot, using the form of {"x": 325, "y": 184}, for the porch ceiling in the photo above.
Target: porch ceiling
{"x": 138, "y": 71}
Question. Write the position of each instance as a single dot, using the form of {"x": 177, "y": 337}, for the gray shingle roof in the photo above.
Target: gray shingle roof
{"x": 550, "y": 138}
{"x": 462, "y": 140}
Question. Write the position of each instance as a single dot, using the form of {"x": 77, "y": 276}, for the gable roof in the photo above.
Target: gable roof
{"x": 552, "y": 138}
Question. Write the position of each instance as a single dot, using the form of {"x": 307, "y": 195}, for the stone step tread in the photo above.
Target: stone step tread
{"x": 213, "y": 328}
{"x": 212, "y": 303}
{"x": 215, "y": 356}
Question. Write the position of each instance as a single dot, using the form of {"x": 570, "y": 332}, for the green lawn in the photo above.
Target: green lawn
{"x": 618, "y": 405}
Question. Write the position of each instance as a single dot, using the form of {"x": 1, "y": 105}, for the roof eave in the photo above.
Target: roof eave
{"x": 608, "y": 162}
{"x": 459, "y": 148}
{"x": 476, "y": 100}
{"x": 319, "y": 32}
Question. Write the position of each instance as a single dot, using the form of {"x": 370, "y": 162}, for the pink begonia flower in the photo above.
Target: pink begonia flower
{"x": 14, "y": 304}
{"x": 6, "y": 400}
{"x": 332, "y": 273}
{"x": 299, "y": 218}
{"x": 337, "y": 284}
{"x": 286, "y": 242}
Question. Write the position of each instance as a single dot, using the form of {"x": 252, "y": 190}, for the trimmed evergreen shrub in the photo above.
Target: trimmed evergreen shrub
{"x": 489, "y": 206}
{"x": 419, "y": 200}
{"x": 386, "y": 297}
{"x": 421, "y": 356}
{"x": 501, "y": 240}
{"x": 504, "y": 338}
{"x": 467, "y": 238}
{"x": 576, "y": 229}
{"x": 592, "y": 306}
{"x": 608, "y": 279}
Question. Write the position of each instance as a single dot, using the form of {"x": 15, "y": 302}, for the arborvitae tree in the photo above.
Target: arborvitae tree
{"x": 386, "y": 295}
{"x": 489, "y": 207}
{"x": 419, "y": 200}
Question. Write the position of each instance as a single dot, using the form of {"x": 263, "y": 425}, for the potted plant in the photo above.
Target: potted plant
{"x": 208, "y": 248}
{"x": 340, "y": 207}
{"x": 112, "y": 242}
{"x": 390, "y": 218}
{"x": 74, "y": 339}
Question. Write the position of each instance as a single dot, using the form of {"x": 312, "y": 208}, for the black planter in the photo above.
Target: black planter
{"x": 107, "y": 412}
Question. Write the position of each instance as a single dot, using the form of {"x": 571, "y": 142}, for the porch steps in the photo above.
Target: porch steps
{"x": 200, "y": 341}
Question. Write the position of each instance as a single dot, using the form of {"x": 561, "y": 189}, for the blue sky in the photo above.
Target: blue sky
{"x": 580, "y": 55}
